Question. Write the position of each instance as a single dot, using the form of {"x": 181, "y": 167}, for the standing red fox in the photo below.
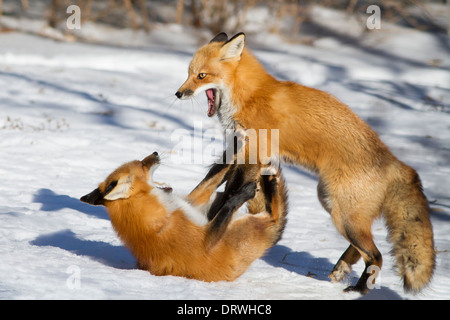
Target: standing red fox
{"x": 359, "y": 178}
{"x": 167, "y": 234}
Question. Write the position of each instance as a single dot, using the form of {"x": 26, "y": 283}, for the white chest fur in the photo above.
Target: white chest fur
{"x": 172, "y": 202}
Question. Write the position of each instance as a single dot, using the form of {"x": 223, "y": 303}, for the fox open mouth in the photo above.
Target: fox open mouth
{"x": 160, "y": 185}
{"x": 163, "y": 186}
{"x": 213, "y": 101}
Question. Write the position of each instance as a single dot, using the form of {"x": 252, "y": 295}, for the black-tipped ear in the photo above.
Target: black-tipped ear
{"x": 221, "y": 37}
{"x": 237, "y": 35}
{"x": 94, "y": 198}
{"x": 232, "y": 49}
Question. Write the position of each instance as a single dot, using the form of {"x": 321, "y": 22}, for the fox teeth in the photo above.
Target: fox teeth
{"x": 162, "y": 185}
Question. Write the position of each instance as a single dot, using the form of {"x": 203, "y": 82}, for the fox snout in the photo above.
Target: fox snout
{"x": 151, "y": 160}
{"x": 185, "y": 94}
{"x": 118, "y": 185}
{"x": 94, "y": 198}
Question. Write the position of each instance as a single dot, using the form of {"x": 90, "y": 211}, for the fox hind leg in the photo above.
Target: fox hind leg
{"x": 356, "y": 228}
{"x": 362, "y": 241}
{"x": 344, "y": 264}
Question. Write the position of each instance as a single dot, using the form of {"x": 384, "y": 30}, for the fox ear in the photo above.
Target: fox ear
{"x": 233, "y": 48}
{"x": 221, "y": 37}
{"x": 119, "y": 189}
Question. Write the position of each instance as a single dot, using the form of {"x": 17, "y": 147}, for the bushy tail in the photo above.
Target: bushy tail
{"x": 407, "y": 216}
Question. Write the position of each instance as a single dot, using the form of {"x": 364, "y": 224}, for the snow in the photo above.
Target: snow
{"x": 72, "y": 112}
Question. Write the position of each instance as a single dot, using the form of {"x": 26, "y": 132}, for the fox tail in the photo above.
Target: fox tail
{"x": 408, "y": 220}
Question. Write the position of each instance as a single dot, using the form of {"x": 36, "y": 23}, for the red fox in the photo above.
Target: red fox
{"x": 167, "y": 233}
{"x": 359, "y": 178}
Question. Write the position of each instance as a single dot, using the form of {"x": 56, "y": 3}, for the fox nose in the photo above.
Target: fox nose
{"x": 155, "y": 154}
{"x": 178, "y": 94}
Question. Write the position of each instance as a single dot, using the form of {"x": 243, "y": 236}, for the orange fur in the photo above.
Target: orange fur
{"x": 155, "y": 225}
{"x": 359, "y": 178}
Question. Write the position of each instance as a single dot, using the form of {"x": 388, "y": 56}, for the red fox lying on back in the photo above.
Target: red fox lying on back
{"x": 359, "y": 178}
{"x": 167, "y": 234}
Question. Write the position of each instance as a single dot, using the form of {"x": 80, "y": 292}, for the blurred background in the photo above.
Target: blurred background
{"x": 293, "y": 20}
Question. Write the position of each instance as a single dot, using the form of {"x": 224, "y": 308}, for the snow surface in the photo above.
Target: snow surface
{"x": 70, "y": 113}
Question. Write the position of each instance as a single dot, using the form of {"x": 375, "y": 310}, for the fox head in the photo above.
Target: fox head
{"x": 211, "y": 71}
{"x": 126, "y": 181}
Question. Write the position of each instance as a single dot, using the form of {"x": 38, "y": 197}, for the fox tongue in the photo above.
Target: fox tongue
{"x": 211, "y": 102}
{"x": 210, "y": 94}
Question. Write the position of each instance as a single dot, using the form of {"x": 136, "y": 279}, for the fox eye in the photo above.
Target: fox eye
{"x": 202, "y": 76}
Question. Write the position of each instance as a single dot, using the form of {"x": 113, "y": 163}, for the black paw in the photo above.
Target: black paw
{"x": 250, "y": 189}
{"x": 360, "y": 289}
